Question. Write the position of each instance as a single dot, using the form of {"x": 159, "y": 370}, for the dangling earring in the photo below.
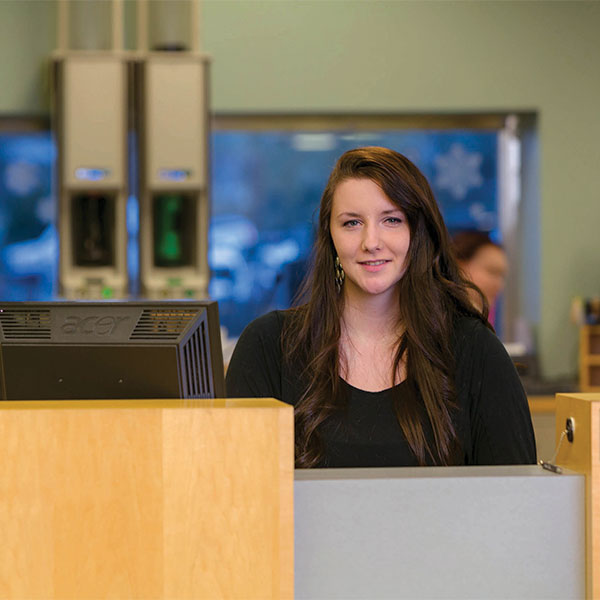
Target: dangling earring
{"x": 339, "y": 274}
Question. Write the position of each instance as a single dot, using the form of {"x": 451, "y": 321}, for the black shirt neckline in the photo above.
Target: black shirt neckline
{"x": 386, "y": 391}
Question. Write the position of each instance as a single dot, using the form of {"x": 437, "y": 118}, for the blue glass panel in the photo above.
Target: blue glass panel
{"x": 28, "y": 238}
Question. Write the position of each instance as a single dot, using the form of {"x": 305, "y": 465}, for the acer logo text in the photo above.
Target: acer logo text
{"x": 91, "y": 325}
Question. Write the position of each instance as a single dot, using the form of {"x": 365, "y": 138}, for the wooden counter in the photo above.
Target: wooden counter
{"x": 146, "y": 499}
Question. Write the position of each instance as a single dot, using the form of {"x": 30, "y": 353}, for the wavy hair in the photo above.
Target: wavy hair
{"x": 432, "y": 294}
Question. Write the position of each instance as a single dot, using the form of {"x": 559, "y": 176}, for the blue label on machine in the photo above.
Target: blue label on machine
{"x": 174, "y": 174}
{"x": 91, "y": 173}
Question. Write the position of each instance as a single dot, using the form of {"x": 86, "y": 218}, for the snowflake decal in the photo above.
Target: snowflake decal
{"x": 458, "y": 171}
{"x": 485, "y": 219}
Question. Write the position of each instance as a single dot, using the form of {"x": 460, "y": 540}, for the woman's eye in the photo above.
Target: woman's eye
{"x": 351, "y": 223}
{"x": 394, "y": 220}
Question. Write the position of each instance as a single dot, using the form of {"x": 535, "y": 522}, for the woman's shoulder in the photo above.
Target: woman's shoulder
{"x": 255, "y": 367}
{"x": 474, "y": 334}
{"x": 268, "y": 325}
{"x": 467, "y": 326}
{"x": 476, "y": 344}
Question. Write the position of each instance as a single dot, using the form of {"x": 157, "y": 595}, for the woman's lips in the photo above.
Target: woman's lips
{"x": 373, "y": 265}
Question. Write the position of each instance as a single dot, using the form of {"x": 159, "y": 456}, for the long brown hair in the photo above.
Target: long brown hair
{"x": 432, "y": 293}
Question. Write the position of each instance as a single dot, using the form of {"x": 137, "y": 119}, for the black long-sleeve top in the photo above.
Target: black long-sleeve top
{"x": 492, "y": 420}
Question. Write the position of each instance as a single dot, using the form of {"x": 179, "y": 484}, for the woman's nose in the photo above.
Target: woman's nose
{"x": 371, "y": 240}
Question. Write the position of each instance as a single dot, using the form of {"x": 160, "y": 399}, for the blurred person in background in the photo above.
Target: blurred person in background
{"x": 484, "y": 262}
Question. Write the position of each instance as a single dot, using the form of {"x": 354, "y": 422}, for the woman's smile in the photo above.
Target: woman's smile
{"x": 373, "y": 266}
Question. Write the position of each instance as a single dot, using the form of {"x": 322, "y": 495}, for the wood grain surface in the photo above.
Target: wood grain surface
{"x": 146, "y": 500}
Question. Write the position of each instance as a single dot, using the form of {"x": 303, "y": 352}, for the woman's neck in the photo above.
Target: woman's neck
{"x": 369, "y": 340}
{"x": 368, "y": 316}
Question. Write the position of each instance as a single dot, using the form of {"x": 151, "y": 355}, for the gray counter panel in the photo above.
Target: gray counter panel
{"x": 455, "y": 532}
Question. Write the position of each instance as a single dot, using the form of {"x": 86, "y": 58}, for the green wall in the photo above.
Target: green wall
{"x": 405, "y": 56}
{"x": 27, "y": 37}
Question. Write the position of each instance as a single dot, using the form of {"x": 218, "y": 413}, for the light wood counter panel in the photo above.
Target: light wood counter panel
{"x": 146, "y": 499}
{"x": 583, "y": 455}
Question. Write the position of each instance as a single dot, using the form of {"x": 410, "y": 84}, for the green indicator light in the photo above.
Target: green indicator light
{"x": 170, "y": 248}
{"x": 107, "y": 292}
{"x": 169, "y": 225}
{"x": 189, "y": 293}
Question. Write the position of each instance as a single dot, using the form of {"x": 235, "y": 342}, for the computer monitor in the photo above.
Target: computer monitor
{"x": 110, "y": 350}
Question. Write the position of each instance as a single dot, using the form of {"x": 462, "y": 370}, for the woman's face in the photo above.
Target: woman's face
{"x": 371, "y": 237}
{"x": 487, "y": 269}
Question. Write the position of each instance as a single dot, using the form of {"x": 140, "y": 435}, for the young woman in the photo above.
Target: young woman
{"x": 387, "y": 362}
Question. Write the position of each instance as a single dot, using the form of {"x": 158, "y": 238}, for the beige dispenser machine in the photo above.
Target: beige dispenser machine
{"x": 91, "y": 112}
{"x": 173, "y": 174}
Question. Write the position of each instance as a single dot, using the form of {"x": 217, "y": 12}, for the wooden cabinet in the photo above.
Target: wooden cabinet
{"x": 589, "y": 358}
